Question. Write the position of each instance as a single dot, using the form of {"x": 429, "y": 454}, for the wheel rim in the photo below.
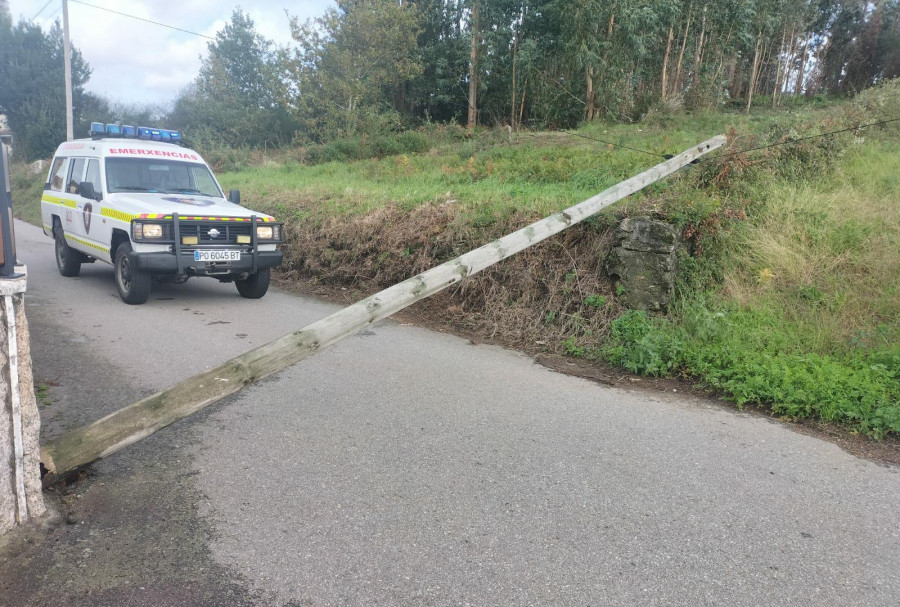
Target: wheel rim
{"x": 125, "y": 275}
{"x": 60, "y": 252}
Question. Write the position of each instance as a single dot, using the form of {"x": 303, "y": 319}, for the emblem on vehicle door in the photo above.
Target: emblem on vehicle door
{"x": 214, "y": 233}
{"x": 88, "y": 209}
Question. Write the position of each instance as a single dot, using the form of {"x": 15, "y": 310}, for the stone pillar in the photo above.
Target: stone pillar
{"x": 20, "y": 423}
{"x": 643, "y": 263}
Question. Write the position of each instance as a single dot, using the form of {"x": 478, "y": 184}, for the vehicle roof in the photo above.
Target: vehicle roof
{"x": 101, "y": 147}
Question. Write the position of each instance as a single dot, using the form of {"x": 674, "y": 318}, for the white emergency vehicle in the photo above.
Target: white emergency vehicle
{"x": 134, "y": 198}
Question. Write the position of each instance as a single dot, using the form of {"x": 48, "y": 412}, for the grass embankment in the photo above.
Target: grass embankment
{"x": 806, "y": 320}
{"x": 788, "y": 289}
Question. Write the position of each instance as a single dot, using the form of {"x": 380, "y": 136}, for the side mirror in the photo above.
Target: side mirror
{"x": 235, "y": 196}
{"x": 87, "y": 190}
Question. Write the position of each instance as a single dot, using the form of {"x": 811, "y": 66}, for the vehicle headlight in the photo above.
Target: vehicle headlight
{"x": 147, "y": 230}
{"x": 265, "y": 232}
{"x": 152, "y": 230}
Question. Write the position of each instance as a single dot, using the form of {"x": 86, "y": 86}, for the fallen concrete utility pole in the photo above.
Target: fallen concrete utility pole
{"x": 136, "y": 421}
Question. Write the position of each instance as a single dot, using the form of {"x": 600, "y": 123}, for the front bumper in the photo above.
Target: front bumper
{"x": 183, "y": 263}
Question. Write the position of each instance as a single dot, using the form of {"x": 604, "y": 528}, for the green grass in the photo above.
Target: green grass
{"x": 796, "y": 305}
{"x": 26, "y": 193}
{"x": 493, "y": 175}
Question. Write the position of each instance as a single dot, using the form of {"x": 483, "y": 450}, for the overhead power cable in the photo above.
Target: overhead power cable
{"x": 618, "y": 145}
{"x": 739, "y": 152}
{"x": 794, "y": 140}
{"x": 43, "y": 8}
{"x": 171, "y": 27}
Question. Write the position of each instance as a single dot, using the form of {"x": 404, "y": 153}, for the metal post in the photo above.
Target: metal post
{"x": 8, "y": 245}
{"x": 67, "y": 59}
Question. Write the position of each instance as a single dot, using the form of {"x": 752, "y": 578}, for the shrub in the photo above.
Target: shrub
{"x": 742, "y": 353}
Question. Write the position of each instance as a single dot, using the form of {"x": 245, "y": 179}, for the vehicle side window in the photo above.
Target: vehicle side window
{"x": 58, "y": 174}
{"x": 93, "y": 174}
{"x": 75, "y": 174}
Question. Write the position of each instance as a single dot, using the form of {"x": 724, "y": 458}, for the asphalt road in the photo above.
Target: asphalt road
{"x": 407, "y": 467}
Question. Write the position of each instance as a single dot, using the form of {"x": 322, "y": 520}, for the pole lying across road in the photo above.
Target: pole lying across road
{"x": 82, "y": 446}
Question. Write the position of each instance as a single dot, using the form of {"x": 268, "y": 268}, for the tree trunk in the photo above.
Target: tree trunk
{"x": 732, "y": 72}
{"x": 522, "y": 102}
{"x": 473, "y": 70}
{"x": 698, "y": 57}
{"x": 589, "y": 93}
{"x": 665, "y": 66}
{"x": 781, "y": 69}
{"x": 754, "y": 72}
{"x": 515, "y": 51}
{"x": 687, "y": 28}
{"x": 798, "y": 86}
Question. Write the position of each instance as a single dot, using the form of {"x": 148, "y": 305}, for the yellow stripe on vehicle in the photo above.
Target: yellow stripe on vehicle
{"x": 88, "y": 243}
{"x": 64, "y": 202}
{"x": 119, "y": 215}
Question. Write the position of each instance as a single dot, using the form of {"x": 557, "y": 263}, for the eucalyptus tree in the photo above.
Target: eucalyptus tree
{"x": 234, "y": 99}
{"x": 349, "y": 63}
{"x": 440, "y": 92}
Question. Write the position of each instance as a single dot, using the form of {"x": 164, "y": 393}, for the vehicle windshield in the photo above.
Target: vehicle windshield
{"x": 159, "y": 176}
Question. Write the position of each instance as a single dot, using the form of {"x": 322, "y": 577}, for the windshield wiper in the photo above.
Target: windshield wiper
{"x": 185, "y": 191}
{"x": 135, "y": 188}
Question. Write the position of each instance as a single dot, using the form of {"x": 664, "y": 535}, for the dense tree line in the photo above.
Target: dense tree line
{"x": 370, "y": 65}
{"x": 373, "y": 66}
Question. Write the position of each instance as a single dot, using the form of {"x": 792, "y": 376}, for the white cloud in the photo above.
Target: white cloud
{"x": 138, "y": 62}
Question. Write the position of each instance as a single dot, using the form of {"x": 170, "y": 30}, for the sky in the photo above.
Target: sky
{"x": 137, "y": 62}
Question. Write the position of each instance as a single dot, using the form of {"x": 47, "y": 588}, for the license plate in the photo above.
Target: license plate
{"x": 217, "y": 255}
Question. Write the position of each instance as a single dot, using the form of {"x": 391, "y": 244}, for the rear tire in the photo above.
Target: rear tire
{"x": 255, "y": 286}
{"x": 133, "y": 285}
{"x": 68, "y": 260}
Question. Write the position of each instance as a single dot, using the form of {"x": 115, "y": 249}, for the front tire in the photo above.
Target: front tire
{"x": 68, "y": 260}
{"x": 255, "y": 285}
{"x": 133, "y": 285}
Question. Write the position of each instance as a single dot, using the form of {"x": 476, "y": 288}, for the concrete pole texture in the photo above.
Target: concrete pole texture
{"x": 20, "y": 424}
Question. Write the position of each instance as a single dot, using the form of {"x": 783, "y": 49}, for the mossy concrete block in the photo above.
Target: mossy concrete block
{"x": 643, "y": 263}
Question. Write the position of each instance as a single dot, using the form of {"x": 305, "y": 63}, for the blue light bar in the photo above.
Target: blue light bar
{"x": 100, "y": 130}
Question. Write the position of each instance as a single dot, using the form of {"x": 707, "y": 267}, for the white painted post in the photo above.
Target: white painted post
{"x": 20, "y": 479}
{"x": 128, "y": 425}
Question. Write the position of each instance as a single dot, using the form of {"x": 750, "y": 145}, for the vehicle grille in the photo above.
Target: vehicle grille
{"x": 228, "y": 231}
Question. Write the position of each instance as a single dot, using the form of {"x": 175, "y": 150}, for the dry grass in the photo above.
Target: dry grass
{"x": 828, "y": 253}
